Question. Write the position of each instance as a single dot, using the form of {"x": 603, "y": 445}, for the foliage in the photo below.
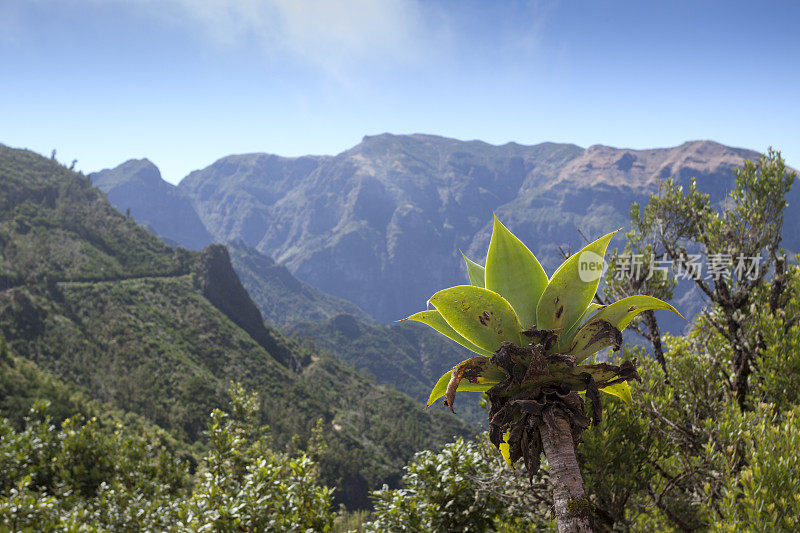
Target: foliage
{"x": 85, "y": 473}
{"x": 684, "y": 456}
{"x": 741, "y": 244}
{"x": 511, "y": 299}
{"x": 90, "y": 476}
{"x": 638, "y": 269}
{"x": 446, "y": 491}
{"x": 245, "y": 485}
{"x": 401, "y": 355}
{"x": 764, "y": 493}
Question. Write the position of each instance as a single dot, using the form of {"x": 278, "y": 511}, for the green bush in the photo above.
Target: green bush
{"x": 87, "y": 476}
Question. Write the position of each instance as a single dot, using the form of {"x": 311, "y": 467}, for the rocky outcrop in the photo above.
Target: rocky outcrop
{"x": 221, "y": 286}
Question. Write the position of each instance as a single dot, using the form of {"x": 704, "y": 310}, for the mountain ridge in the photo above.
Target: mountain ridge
{"x": 359, "y": 224}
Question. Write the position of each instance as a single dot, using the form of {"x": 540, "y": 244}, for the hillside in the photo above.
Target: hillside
{"x": 362, "y": 224}
{"x": 104, "y": 307}
{"x": 280, "y": 296}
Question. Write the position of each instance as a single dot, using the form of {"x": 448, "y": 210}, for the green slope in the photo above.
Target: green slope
{"x": 408, "y": 356}
{"x": 106, "y": 308}
{"x": 282, "y": 298}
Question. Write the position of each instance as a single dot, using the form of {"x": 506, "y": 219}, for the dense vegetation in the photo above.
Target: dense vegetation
{"x": 99, "y": 476}
{"x": 403, "y": 355}
{"x": 107, "y": 310}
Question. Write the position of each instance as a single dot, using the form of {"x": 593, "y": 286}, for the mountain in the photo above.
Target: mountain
{"x": 136, "y": 187}
{"x": 408, "y": 356}
{"x": 103, "y": 307}
{"x": 280, "y": 296}
{"x": 381, "y": 224}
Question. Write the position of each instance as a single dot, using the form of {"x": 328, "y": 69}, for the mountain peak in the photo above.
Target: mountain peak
{"x": 137, "y": 170}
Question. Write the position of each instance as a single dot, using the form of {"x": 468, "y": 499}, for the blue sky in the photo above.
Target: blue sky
{"x": 184, "y": 82}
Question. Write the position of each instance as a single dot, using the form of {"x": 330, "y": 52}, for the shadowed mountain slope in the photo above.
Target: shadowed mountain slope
{"x": 280, "y": 296}
{"x": 136, "y": 186}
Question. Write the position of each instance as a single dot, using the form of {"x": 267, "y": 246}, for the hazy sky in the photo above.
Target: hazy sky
{"x": 184, "y": 82}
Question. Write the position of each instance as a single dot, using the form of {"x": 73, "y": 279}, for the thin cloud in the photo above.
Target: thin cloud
{"x": 336, "y": 36}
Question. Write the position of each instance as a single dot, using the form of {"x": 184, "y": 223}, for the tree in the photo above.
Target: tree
{"x": 533, "y": 335}
{"x": 741, "y": 244}
{"x": 245, "y": 485}
{"x": 638, "y": 269}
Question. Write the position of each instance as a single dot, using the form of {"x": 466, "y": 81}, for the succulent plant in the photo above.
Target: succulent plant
{"x": 533, "y": 336}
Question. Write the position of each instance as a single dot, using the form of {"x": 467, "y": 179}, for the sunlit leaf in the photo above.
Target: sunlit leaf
{"x": 621, "y": 390}
{"x": 477, "y": 274}
{"x": 489, "y": 376}
{"x": 621, "y": 313}
{"x": 514, "y": 273}
{"x": 481, "y": 316}
{"x": 434, "y": 319}
{"x": 505, "y": 450}
{"x": 572, "y": 286}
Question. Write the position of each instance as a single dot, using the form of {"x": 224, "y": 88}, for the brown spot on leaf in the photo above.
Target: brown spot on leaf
{"x": 632, "y": 308}
{"x": 605, "y": 329}
{"x": 559, "y": 311}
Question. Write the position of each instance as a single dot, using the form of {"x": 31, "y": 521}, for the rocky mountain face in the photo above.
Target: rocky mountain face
{"x": 381, "y": 224}
{"x": 136, "y": 187}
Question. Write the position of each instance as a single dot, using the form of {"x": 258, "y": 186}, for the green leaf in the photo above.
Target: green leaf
{"x": 488, "y": 378}
{"x": 621, "y": 313}
{"x": 514, "y": 273}
{"x": 621, "y": 390}
{"x": 481, "y": 316}
{"x": 565, "y": 340}
{"x": 593, "y": 337}
{"x": 572, "y": 287}
{"x": 434, "y": 319}
{"x": 477, "y": 274}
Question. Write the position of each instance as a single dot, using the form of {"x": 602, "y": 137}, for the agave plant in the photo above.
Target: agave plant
{"x": 533, "y": 336}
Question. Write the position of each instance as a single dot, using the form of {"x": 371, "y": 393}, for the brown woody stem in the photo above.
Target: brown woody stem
{"x": 572, "y": 509}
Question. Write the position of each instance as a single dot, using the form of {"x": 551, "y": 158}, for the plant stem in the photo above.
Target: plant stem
{"x": 572, "y": 508}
